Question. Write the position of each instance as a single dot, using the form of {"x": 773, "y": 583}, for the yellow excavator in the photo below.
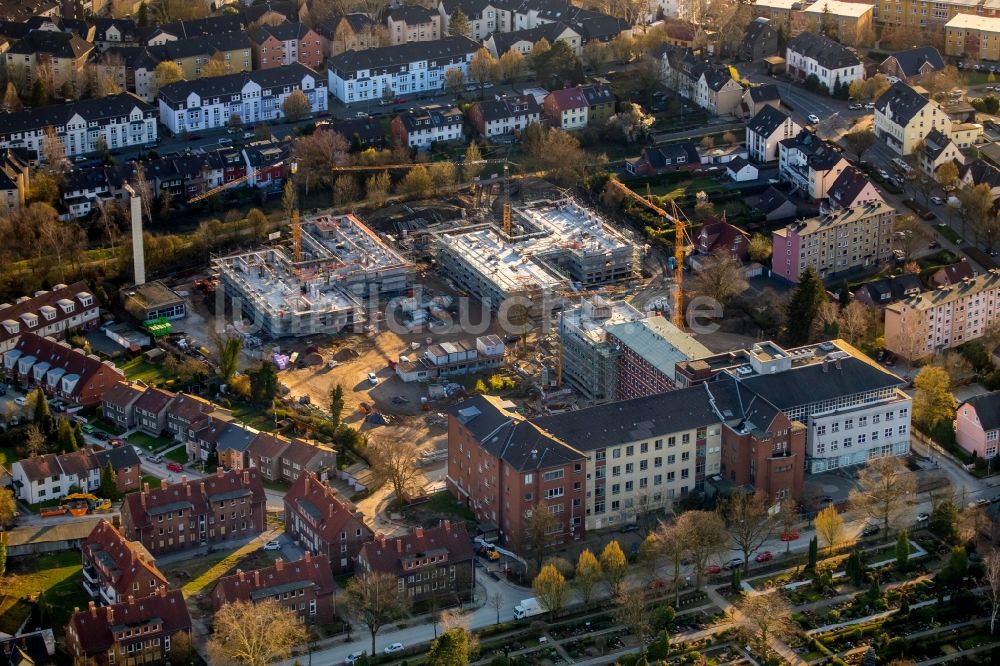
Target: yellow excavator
{"x": 78, "y": 504}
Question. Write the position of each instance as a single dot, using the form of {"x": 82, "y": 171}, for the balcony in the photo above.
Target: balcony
{"x": 90, "y": 575}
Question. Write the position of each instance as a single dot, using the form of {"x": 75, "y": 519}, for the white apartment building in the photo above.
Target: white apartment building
{"x": 766, "y": 130}
{"x": 832, "y": 63}
{"x": 903, "y": 117}
{"x": 423, "y": 126}
{"x": 810, "y": 164}
{"x": 943, "y": 318}
{"x": 356, "y": 76}
{"x": 256, "y": 96}
{"x": 117, "y": 121}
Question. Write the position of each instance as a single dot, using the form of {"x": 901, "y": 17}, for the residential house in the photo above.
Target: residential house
{"x": 566, "y": 108}
{"x": 766, "y": 130}
{"x": 522, "y": 41}
{"x": 192, "y": 54}
{"x": 710, "y": 86}
{"x": 115, "y": 568}
{"x": 253, "y": 96}
{"x": 151, "y": 411}
{"x": 757, "y": 97}
{"x": 132, "y": 631}
{"x": 116, "y": 122}
{"x": 880, "y": 293}
{"x": 49, "y": 314}
{"x": 457, "y": 357}
{"x": 423, "y": 126}
{"x": 760, "y": 40}
{"x": 286, "y": 43}
{"x": 29, "y": 648}
{"x": 912, "y": 65}
{"x": 952, "y": 274}
{"x": 810, "y": 164}
{"x": 118, "y": 404}
{"x": 180, "y": 516}
{"x": 834, "y": 243}
{"x": 111, "y": 32}
{"x": 773, "y": 204}
{"x": 852, "y": 188}
{"x": 977, "y": 425}
{"x": 50, "y": 476}
{"x": 972, "y": 37}
{"x": 203, "y": 27}
{"x": 361, "y": 133}
{"x": 832, "y": 63}
{"x": 414, "y": 67}
{"x": 59, "y": 370}
{"x": 740, "y": 170}
{"x": 903, "y": 117}
{"x": 63, "y": 54}
{"x": 221, "y": 438}
{"x": 430, "y": 563}
{"x": 682, "y": 33}
{"x": 282, "y": 459}
{"x": 350, "y": 32}
{"x": 978, "y": 172}
{"x": 600, "y": 103}
{"x": 938, "y": 148}
{"x": 15, "y": 179}
{"x": 504, "y": 114}
{"x": 657, "y": 160}
{"x": 188, "y": 413}
{"x": 717, "y": 236}
{"x": 482, "y": 15}
{"x": 413, "y": 23}
{"x": 272, "y": 13}
{"x": 322, "y": 522}
{"x": 305, "y": 587}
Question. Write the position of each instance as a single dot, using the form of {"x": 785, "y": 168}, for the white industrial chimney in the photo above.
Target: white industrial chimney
{"x": 138, "y": 253}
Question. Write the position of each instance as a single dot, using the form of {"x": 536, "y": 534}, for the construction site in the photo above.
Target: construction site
{"x": 336, "y": 266}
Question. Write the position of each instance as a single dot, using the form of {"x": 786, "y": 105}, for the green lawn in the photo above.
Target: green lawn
{"x": 142, "y": 370}
{"x": 690, "y": 187}
{"x": 280, "y": 486}
{"x": 948, "y": 233}
{"x": 178, "y": 455}
{"x": 153, "y": 481}
{"x": 254, "y": 416}
{"x": 52, "y": 577}
{"x": 444, "y": 502}
{"x": 147, "y": 442}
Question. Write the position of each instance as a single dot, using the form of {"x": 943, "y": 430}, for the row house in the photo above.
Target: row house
{"x": 323, "y": 522}
{"x": 711, "y": 87}
{"x": 15, "y": 179}
{"x": 62, "y": 55}
{"x": 305, "y": 587}
{"x": 579, "y": 106}
{"x": 134, "y": 631}
{"x": 115, "y": 568}
{"x": 834, "y": 243}
{"x": 255, "y": 97}
{"x": 117, "y": 121}
{"x": 361, "y": 133}
{"x": 944, "y": 318}
{"x": 50, "y": 313}
{"x": 833, "y": 65}
{"x": 490, "y": 16}
{"x": 413, "y": 23}
{"x": 286, "y": 459}
{"x": 523, "y": 41}
{"x": 423, "y": 126}
{"x": 504, "y": 115}
{"x": 223, "y": 439}
{"x": 59, "y": 370}
{"x": 285, "y": 43}
{"x": 766, "y": 130}
{"x": 188, "y": 413}
{"x": 430, "y": 564}
{"x": 118, "y": 403}
{"x": 51, "y": 476}
{"x": 87, "y": 190}
{"x": 810, "y": 164}
{"x": 151, "y": 411}
{"x": 182, "y": 516}
{"x": 414, "y": 67}
{"x": 349, "y": 32}
{"x": 755, "y": 98}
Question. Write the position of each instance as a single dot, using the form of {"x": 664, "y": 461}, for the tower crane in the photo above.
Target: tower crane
{"x": 681, "y": 224}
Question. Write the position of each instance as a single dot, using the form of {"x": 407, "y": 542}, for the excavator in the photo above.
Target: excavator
{"x": 78, "y": 504}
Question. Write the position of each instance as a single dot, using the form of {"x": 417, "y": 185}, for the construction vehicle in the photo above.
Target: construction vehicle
{"x": 681, "y": 240}
{"x": 78, "y": 504}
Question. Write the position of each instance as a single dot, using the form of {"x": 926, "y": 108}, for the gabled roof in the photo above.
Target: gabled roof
{"x": 305, "y": 452}
{"x": 30, "y": 649}
{"x": 432, "y": 116}
{"x": 597, "y": 93}
{"x": 987, "y": 407}
{"x": 329, "y": 512}
{"x": 154, "y": 400}
{"x": 954, "y": 273}
{"x": 569, "y": 98}
{"x": 438, "y": 52}
{"x": 35, "y": 303}
{"x": 503, "y": 41}
{"x": 758, "y": 27}
{"x": 935, "y": 142}
{"x": 771, "y": 200}
{"x": 767, "y": 121}
{"x": 56, "y": 44}
{"x": 507, "y": 106}
{"x": 95, "y": 627}
{"x": 254, "y": 12}
{"x": 979, "y": 172}
{"x": 723, "y": 235}
{"x": 127, "y": 27}
{"x": 366, "y": 128}
{"x": 312, "y": 571}
{"x": 57, "y": 115}
{"x": 658, "y": 156}
{"x": 120, "y": 457}
{"x": 448, "y": 543}
{"x": 357, "y": 21}
{"x": 826, "y": 52}
{"x": 195, "y": 494}
{"x": 211, "y": 25}
{"x": 848, "y": 186}
{"x": 62, "y": 356}
{"x": 765, "y": 93}
{"x": 412, "y": 14}
{"x": 267, "y": 445}
{"x": 123, "y": 559}
{"x": 901, "y": 103}
{"x": 283, "y": 32}
{"x": 231, "y": 84}
{"x": 912, "y": 61}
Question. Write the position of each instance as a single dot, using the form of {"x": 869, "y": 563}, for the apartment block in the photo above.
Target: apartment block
{"x": 943, "y": 318}
{"x": 49, "y": 314}
{"x": 322, "y": 522}
{"x": 766, "y": 130}
{"x": 115, "y": 568}
{"x": 932, "y": 14}
{"x": 810, "y": 164}
{"x": 977, "y": 425}
{"x": 181, "y": 516}
{"x": 15, "y": 179}
{"x": 834, "y": 243}
{"x": 904, "y": 116}
{"x": 811, "y": 54}
{"x": 286, "y": 43}
{"x": 63, "y": 55}
{"x": 305, "y": 587}
{"x": 413, "y": 23}
{"x": 973, "y": 37}
{"x": 504, "y": 115}
{"x": 424, "y": 126}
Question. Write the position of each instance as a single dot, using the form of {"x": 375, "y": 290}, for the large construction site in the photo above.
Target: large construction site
{"x": 337, "y": 268}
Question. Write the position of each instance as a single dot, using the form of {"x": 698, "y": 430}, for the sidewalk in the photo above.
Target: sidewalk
{"x": 777, "y": 645}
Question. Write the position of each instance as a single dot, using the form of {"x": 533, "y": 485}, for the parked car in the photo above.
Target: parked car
{"x": 175, "y": 467}
{"x": 372, "y": 378}
{"x": 923, "y": 517}
{"x": 813, "y": 118}
{"x": 712, "y": 569}
{"x": 937, "y": 201}
{"x": 870, "y": 530}
{"x": 790, "y": 536}
{"x": 870, "y": 106}
{"x": 272, "y": 545}
{"x": 631, "y": 527}
{"x": 354, "y": 657}
{"x": 733, "y": 563}
{"x": 855, "y": 107}
{"x": 20, "y": 401}
{"x": 766, "y": 556}
{"x": 156, "y": 459}
{"x": 394, "y": 648}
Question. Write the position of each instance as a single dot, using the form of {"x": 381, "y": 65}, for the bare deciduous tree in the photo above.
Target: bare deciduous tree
{"x": 884, "y": 485}
{"x": 374, "y": 600}
{"x": 764, "y": 617}
{"x": 255, "y": 634}
{"x": 720, "y": 278}
{"x": 748, "y": 521}
{"x": 394, "y": 460}
{"x": 991, "y": 581}
{"x": 706, "y": 537}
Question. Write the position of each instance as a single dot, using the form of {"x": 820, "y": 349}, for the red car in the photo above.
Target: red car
{"x": 174, "y": 467}
{"x": 790, "y": 536}
{"x": 712, "y": 569}
{"x": 766, "y": 556}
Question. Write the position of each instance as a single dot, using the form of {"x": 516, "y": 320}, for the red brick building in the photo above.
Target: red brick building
{"x": 114, "y": 567}
{"x": 59, "y": 370}
{"x": 178, "y": 517}
{"x": 306, "y": 587}
{"x": 321, "y": 521}
{"x": 285, "y": 43}
{"x": 136, "y": 631}
{"x": 428, "y": 563}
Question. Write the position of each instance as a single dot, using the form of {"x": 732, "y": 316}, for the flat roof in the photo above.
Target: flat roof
{"x": 840, "y": 8}
{"x": 777, "y": 4}
{"x": 511, "y": 266}
{"x": 152, "y": 295}
{"x": 347, "y": 245}
{"x": 659, "y": 342}
{"x": 974, "y": 22}
{"x": 595, "y": 328}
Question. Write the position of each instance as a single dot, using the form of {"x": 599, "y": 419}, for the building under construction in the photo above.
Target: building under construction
{"x": 552, "y": 246}
{"x": 342, "y": 267}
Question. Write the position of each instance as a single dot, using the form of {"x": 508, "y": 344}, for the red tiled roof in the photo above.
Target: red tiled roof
{"x": 254, "y": 585}
{"x": 129, "y": 557}
{"x": 62, "y": 356}
{"x": 78, "y": 462}
{"x": 190, "y": 407}
{"x": 122, "y": 394}
{"x": 389, "y": 554}
{"x": 267, "y": 445}
{"x": 94, "y": 626}
{"x": 569, "y": 98}
{"x": 154, "y": 400}
{"x": 329, "y": 511}
{"x": 41, "y": 467}
{"x": 50, "y": 299}
{"x": 303, "y": 452}
{"x": 197, "y": 493}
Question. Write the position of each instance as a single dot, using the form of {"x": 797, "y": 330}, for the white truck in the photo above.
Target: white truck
{"x": 528, "y": 608}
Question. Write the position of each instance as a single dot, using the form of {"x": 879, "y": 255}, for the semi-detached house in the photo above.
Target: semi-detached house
{"x": 60, "y": 370}
{"x": 414, "y": 67}
{"x": 505, "y": 114}
{"x": 48, "y": 313}
{"x": 832, "y": 63}
{"x": 254, "y": 96}
{"x": 903, "y": 117}
{"x": 766, "y": 130}
{"x": 117, "y": 121}
{"x": 712, "y": 87}
{"x": 423, "y": 126}
{"x": 51, "y": 476}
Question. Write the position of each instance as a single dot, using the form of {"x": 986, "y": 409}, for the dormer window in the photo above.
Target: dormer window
{"x": 30, "y": 319}
{"x": 86, "y": 300}
{"x": 48, "y": 312}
